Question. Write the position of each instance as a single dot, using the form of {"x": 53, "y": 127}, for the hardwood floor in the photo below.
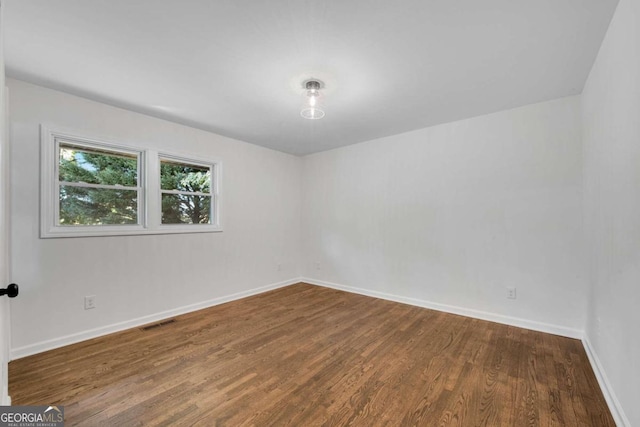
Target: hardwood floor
{"x": 305, "y": 356}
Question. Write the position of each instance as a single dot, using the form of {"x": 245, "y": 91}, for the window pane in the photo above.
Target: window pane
{"x": 185, "y": 177}
{"x": 80, "y": 164}
{"x": 186, "y": 209}
{"x": 97, "y": 206}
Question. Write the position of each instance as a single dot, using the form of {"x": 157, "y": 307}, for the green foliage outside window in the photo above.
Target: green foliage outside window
{"x": 80, "y": 205}
{"x": 189, "y": 201}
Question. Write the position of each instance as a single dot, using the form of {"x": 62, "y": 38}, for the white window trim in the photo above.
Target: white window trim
{"x": 149, "y": 206}
{"x": 215, "y": 191}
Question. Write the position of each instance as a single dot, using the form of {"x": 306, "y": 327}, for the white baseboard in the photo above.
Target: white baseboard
{"x": 614, "y": 404}
{"x": 477, "y": 314}
{"x": 28, "y": 350}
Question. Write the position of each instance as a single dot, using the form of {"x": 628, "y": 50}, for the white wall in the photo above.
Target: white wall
{"x": 454, "y": 214}
{"x": 137, "y": 276}
{"x": 611, "y": 136}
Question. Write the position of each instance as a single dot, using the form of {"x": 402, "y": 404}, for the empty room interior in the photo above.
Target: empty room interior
{"x": 299, "y": 213}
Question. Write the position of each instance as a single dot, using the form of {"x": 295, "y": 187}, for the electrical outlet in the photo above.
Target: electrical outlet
{"x": 89, "y": 302}
{"x": 511, "y": 293}
{"x": 279, "y": 267}
{"x": 317, "y": 265}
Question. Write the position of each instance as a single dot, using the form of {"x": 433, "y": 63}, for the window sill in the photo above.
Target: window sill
{"x": 60, "y": 232}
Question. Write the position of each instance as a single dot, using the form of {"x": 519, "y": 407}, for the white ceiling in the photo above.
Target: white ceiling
{"x": 236, "y": 67}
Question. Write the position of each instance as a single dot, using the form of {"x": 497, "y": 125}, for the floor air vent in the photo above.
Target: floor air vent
{"x": 157, "y": 325}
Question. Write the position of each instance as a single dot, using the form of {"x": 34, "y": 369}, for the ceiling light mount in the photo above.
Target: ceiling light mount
{"x": 312, "y": 109}
{"x": 312, "y": 85}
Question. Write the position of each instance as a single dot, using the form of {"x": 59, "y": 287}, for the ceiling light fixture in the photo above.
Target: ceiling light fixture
{"x": 312, "y": 109}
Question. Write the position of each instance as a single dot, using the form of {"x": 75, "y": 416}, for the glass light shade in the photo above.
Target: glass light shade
{"x": 312, "y": 109}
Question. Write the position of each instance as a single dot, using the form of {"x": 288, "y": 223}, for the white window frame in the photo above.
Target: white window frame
{"x": 214, "y": 194}
{"x": 149, "y": 201}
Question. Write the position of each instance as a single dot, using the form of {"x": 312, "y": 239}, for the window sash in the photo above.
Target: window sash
{"x": 212, "y": 194}
{"x": 97, "y": 211}
{"x": 97, "y": 148}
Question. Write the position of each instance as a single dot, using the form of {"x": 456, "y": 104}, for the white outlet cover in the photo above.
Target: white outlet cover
{"x": 89, "y": 302}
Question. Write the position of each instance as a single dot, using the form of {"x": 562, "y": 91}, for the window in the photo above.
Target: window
{"x": 185, "y": 189}
{"x": 95, "y": 188}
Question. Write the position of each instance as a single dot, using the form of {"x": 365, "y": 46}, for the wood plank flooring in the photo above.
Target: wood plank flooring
{"x": 310, "y": 356}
